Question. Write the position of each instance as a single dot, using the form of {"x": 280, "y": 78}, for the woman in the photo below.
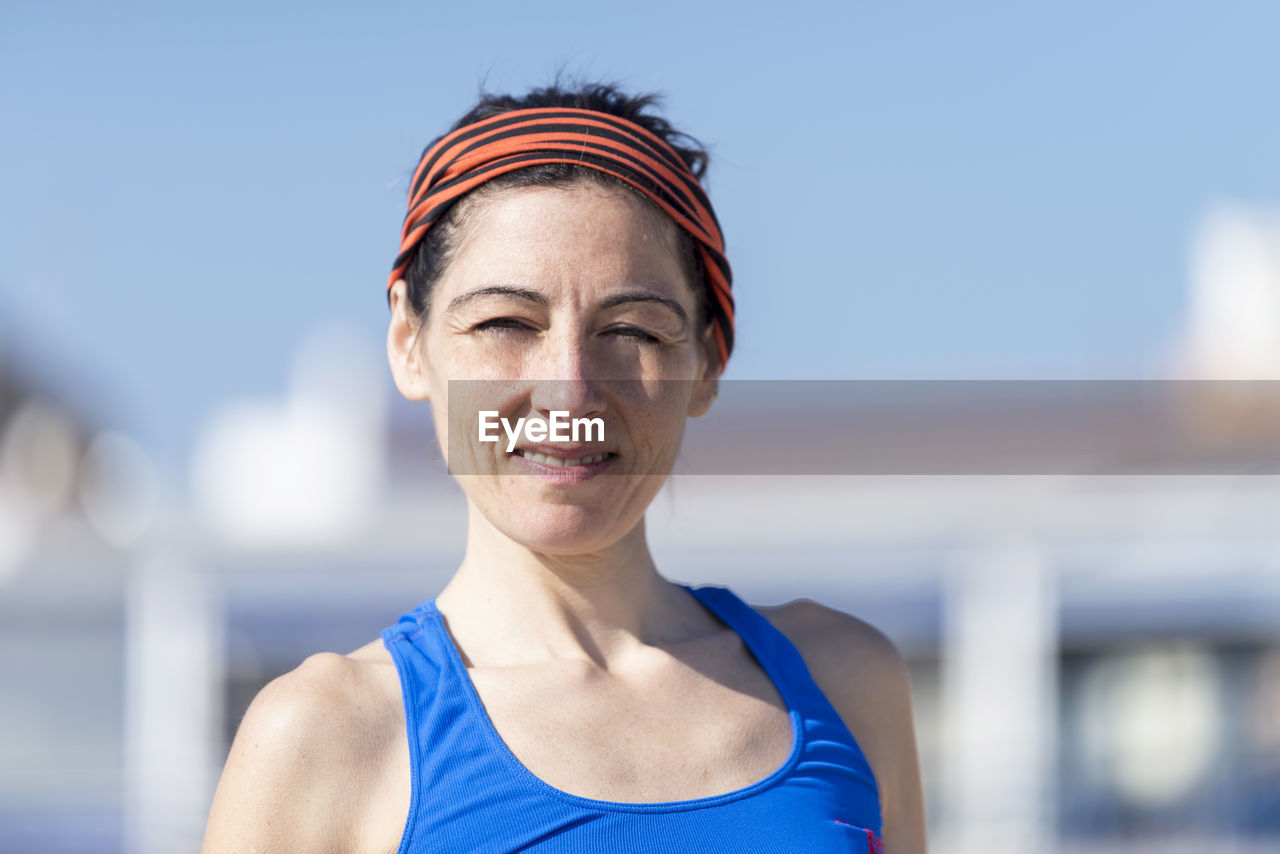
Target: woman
{"x": 559, "y": 694}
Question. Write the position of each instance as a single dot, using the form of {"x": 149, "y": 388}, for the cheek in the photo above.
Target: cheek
{"x": 657, "y": 426}
{"x": 470, "y": 410}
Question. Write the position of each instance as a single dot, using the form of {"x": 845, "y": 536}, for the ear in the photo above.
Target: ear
{"x": 404, "y": 346}
{"x": 707, "y": 386}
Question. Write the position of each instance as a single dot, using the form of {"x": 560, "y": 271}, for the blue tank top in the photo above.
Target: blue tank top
{"x": 471, "y": 794}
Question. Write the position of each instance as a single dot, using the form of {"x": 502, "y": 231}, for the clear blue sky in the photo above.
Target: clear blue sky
{"x": 908, "y": 190}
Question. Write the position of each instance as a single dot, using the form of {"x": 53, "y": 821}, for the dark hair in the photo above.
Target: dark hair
{"x": 436, "y": 250}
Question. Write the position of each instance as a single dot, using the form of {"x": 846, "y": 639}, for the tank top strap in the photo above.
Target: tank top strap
{"x": 422, "y": 661}
{"x": 416, "y": 629}
{"x": 828, "y": 743}
{"x": 774, "y": 650}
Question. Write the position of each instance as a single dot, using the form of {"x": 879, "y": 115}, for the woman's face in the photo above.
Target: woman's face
{"x": 569, "y": 298}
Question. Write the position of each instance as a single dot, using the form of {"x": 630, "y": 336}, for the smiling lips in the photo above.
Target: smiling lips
{"x": 549, "y": 456}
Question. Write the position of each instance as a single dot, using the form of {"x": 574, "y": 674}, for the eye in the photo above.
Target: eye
{"x": 633, "y": 332}
{"x": 500, "y": 324}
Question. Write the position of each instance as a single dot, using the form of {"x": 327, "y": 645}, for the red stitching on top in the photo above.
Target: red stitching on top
{"x": 874, "y": 845}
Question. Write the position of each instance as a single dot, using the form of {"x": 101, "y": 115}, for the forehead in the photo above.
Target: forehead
{"x": 579, "y": 233}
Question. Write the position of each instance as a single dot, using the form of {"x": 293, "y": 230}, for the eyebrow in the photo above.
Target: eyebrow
{"x": 496, "y": 290}
{"x": 646, "y": 296}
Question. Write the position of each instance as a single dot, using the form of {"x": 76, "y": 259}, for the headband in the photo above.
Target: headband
{"x": 471, "y": 155}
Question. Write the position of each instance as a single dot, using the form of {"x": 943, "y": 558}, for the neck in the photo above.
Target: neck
{"x": 511, "y": 604}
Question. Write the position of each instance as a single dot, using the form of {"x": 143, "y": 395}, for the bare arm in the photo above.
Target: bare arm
{"x": 301, "y": 767}
{"x": 866, "y": 679}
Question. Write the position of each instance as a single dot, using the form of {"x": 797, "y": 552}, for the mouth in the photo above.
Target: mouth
{"x": 546, "y": 463}
{"x": 563, "y": 462}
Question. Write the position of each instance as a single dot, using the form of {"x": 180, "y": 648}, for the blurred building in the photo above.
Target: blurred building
{"x": 74, "y": 499}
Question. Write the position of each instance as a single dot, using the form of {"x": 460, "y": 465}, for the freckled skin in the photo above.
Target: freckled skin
{"x": 604, "y": 679}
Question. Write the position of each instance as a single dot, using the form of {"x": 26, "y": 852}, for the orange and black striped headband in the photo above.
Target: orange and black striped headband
{"x": 471, "y": 155}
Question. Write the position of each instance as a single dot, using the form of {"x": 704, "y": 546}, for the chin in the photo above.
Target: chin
{"x": 567, "y": 529}
{"x": 556, "y": 528}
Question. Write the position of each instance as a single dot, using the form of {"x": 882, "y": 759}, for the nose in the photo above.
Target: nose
{"x": 564, "y": 379}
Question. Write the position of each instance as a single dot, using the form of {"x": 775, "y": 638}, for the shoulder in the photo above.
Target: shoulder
{"x": 837, "y": 645}
{"x": 326, "y": 694}
{"x": 313, "y": 746}
{"x": 860, "y": 670}
{"x": 867, "y": 681}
